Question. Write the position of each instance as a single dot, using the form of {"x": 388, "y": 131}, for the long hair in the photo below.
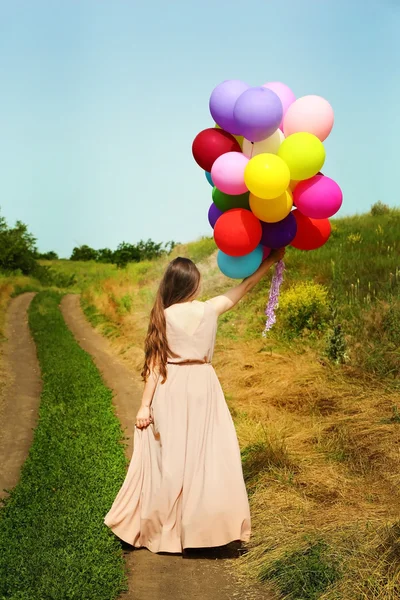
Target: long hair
{"x": 181, "y": 281}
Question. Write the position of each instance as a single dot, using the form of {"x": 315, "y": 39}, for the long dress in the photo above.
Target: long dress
{"x": 184, "y": 487}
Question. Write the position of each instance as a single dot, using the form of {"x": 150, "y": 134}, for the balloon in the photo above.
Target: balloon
{"x": 304, "y": 154}
{"x": 238, "y": 138}
{"x": 222, "y": 102}
{"x": 208, "y": 177}
{"x": 228, "y": 173}
{"x": 312, "y": 114}
{"x": 213, "y": 214}
{"x": 311, "y": 233}
{"x": 266, "y": 252}
{"x": 293, "y": 183}
{"x": 257, "y": 113}
{"x": 277, "y": 235}
{"x": 274, "y": 210}
{"x": 226, "y": 202}
{"x": 211, "y": 143}
{"x": 237, "y": 232}
{"x": 239, "y": 267}
{"x": 285, "y": 95}
{"x": 270, "y": 145}
{"x": 267, "y": 176}
{"x": 319, "y": 197}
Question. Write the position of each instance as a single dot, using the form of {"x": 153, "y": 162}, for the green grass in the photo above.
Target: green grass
{"x": 304, "y": 574}
{"x": 53, "y": 542}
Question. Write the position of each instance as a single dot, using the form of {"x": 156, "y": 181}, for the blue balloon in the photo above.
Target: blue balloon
{"x": 239, "y": 267}
{"x": 208, "y": 177}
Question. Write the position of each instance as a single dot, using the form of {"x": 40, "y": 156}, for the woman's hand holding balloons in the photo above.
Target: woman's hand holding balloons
{"x": 277, "y": 254}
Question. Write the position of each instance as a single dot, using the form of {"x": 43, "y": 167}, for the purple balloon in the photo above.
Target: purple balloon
{"x": 278, "y": 235}
{"x": 213, "y": 214}
{"x": 258, "y": 112}
{"x": 222, "y": 102}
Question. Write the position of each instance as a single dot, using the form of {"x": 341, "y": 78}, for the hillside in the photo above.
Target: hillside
{"x": 315, "y": 403}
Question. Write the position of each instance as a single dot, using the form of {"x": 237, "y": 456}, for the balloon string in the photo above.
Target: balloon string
{"x": 274, "y": 296}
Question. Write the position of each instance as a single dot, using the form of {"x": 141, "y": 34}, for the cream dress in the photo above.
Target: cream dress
{"x": 184, "y": 487}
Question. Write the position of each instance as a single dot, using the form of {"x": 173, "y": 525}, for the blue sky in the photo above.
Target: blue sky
{"x": 100, "y": 101}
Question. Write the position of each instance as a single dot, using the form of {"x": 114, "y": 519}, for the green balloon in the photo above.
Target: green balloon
{"x": 225, "y": 201}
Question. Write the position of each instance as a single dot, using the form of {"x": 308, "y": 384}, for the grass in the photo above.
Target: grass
{"x": 319, "y": 436}
{"x": 12, "y": 285}
{"x": 304, "y": 574}
{"x": 53, "y": 543}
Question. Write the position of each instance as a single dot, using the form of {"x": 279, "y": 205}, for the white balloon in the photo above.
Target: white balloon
{"x": 270, "y": 145}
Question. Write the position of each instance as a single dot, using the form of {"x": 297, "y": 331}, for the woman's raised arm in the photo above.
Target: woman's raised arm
{"x": 228, "y": 300}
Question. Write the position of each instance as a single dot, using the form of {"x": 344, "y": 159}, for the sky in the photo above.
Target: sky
{"x": 100, "y": 101}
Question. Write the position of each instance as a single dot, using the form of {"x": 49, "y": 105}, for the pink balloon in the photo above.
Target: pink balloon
{"x": 266, "y": 252}
{"x": 227, "y": 173}
{"x": 311, "y": 114}
{"x": 318, "y": 198}
{"x": 285, "y": 95}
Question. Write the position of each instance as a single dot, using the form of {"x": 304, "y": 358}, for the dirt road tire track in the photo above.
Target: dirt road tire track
{"x": 21, "y": 400}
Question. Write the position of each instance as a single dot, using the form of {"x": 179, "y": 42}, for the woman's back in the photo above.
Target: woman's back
{"x": 191, "y": 330}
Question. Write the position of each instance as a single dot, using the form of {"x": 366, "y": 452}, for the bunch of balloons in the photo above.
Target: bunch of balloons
{"x": 264, "y": 158}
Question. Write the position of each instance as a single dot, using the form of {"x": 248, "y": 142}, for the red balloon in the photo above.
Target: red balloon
{"x": 210, "y": 144}
{"x": 311, "y": 233}
{"x": 237, "y": 232}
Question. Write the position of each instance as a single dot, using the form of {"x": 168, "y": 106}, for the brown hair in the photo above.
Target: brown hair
{"x": 181, "y": 281}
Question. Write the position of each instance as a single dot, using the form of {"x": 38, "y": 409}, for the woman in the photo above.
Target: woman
{"x": 184, "y": 487}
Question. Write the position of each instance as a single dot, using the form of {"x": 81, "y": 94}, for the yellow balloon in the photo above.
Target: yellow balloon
{"x": 293, "y": 184}
{"x": 304, "y": 154}
{"x": 238, "y": 138}
{"x": 267, "y": 176}
{"x": 274, "y": 210}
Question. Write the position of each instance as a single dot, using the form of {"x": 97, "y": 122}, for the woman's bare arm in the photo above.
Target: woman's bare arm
{"x": 143, "y": 417}
{"x": 228, "y": 300}
{"x": 149, "y": 388}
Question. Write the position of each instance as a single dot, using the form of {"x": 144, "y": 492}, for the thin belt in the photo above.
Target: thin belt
{"x": 190, "y": 362}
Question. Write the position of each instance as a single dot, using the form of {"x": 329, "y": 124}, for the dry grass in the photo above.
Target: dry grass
{"x": 321, "y": 457}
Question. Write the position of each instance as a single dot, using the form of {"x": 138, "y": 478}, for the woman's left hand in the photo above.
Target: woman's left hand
{"x": 143, "y": 417}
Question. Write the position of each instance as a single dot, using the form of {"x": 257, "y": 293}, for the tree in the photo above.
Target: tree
{"x": 105, "y": 255}
{"x": 17, "y": 247}
{"x": 169, "y": 246}
{"x": 84, "y": 253}
{"x": 126, "y": 253}
{"x": 51, "y": 255}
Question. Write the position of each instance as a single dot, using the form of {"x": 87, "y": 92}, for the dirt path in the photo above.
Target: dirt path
{"x": 155, "y": 576}
{"x": 21, "y": 398}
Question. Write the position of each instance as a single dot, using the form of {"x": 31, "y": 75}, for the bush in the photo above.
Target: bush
{"x": 379, "y": 208}
{"x": 304, "y": 308}
{"x": 47, "y": 255}
{"x": 17, "y": 248}
{"x": 49, "y": 277}
{"x": 83, "y": 253}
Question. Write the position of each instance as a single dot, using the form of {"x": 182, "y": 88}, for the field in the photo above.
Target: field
{"x": 315, "y": 403}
